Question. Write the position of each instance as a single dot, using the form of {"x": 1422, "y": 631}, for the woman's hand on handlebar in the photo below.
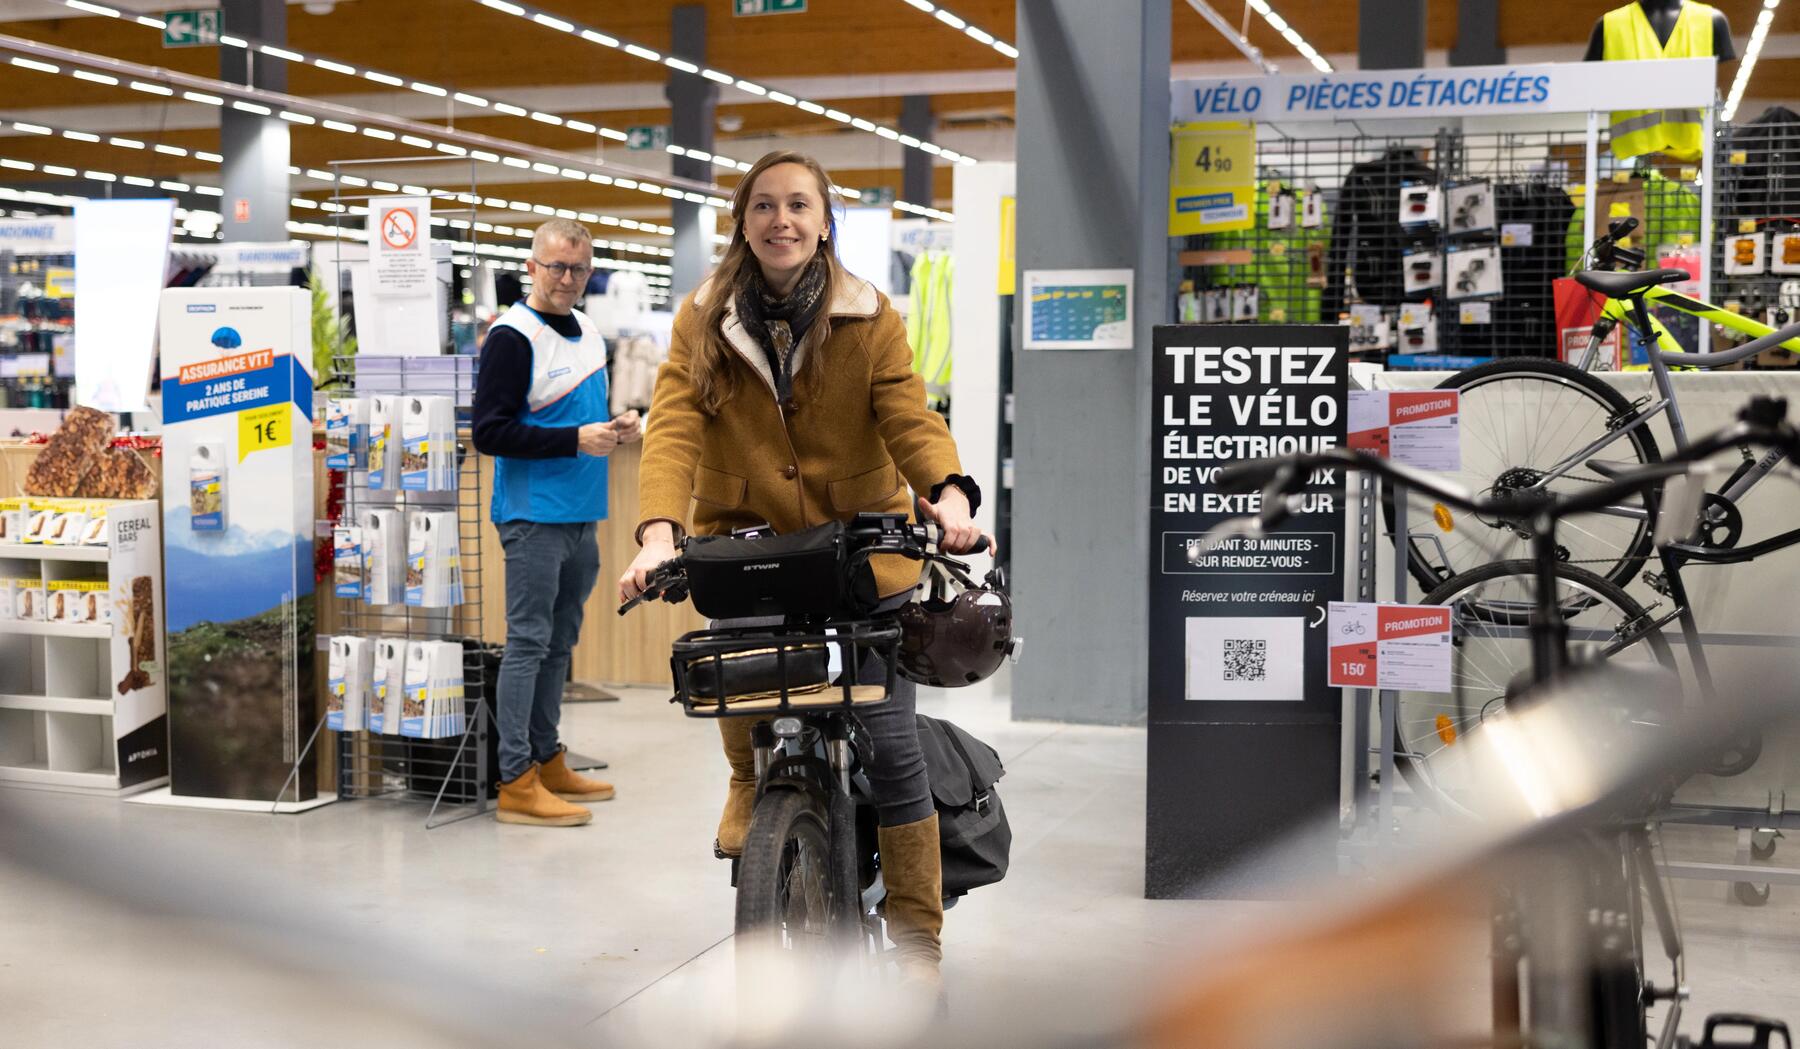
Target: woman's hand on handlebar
{"x": 659, "y": 546}
{"x": 951, "y": 514}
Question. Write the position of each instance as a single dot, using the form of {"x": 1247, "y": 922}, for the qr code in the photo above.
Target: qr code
{"x": 1246, "y": 660}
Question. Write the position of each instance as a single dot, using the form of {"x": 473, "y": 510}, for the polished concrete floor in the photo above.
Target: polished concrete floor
{"x": 352, "y": 924}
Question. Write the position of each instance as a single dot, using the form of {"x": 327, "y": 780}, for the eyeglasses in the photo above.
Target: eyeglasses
{"x": 558, "y": 271}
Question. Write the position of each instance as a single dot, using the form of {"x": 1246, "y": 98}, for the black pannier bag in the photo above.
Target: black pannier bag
{"x": 973, "y": 832}
{"x": 799, "y": 573}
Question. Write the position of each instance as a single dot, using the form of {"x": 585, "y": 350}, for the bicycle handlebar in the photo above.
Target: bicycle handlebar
{"x": 1761, "y": 422}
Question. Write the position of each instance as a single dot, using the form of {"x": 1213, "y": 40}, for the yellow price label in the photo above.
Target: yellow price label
{"x": 1684, "y": 239}
{"x": 1740, "y": 157}
{"x": 260, "y": 429}
{"x": 1621, "y": 177}
{"x": 1689, "y": 174}
{"x": 1277, "y": 315}
{"x": 1746, "y": 225}
{"x": 1278, "y": 248}
{"x": 1619, "y": 209}
{"x": 1212, "y": 178}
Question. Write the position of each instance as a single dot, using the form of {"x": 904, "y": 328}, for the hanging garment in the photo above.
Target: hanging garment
{"x": 1765, "y": 184}
{"x": 928, "y": 321}
{"x": 1629, "y": 35}
{"x": 1671, "y": 211}
{"x": 1367, "y": 240}
{"x": 635, "y": 359}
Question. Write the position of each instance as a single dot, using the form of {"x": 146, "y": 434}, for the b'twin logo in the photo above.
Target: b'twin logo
{"x": 758, "y": 568}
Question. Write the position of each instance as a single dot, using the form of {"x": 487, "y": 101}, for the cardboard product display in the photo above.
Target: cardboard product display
{"x": 206, "y": 488}
{"x": 384, "y": 541}
{"x": 350, "y": 669}
{"x": 74, "y": 449}
{"x": 347, "y": 433}
{"x": 83, "y": 601}
{"x": 348, "y": 569}
{"x": 384, "y": 460}
{"x": 387, "y": 685}
{"x": 428, "y": 448}
{"x": 433, "y": 706}
{"x": 433, "y": 569}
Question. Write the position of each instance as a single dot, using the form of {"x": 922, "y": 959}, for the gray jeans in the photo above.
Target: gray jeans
{"x": 897, "y": 778}
{"x": 550, "y": 570}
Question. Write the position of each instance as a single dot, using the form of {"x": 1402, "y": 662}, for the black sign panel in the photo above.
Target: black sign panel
{"x": 1243, "y": 728}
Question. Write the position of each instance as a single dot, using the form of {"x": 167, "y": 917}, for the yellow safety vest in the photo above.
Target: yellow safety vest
{"x": 1629, "y": 35}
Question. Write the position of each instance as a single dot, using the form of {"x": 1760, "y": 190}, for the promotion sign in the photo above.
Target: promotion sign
{"x": 1244, "y": 727}
{"x": 238, "y": 549}
{"x": 1395, "y": 647}
{"x": 1212, "y": 178}
{"x": 1461, "y": 91}
{"x": 1419, "y": 428}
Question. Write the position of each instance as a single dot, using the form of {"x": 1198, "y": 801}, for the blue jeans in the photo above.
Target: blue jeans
{"x": 550, "y": 570}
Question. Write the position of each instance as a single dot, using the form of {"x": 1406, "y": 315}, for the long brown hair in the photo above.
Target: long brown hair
{"x": 715, "y": 381}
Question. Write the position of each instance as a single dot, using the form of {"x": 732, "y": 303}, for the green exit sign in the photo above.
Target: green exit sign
{"x": 192, "y": 28}
{"x": 648, "y": 136}
{"x": 769, "y": 7}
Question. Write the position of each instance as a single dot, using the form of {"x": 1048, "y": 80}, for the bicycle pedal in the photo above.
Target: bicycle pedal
{"x": 1657, "y": 582}
{"x": 1761, "y": 1029}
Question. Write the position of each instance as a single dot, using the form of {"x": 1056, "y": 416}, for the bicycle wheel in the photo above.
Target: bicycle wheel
{"x": 1491, "y": 662}
{"x": 788, "y": 898}
{"x": 1523, "y": 418}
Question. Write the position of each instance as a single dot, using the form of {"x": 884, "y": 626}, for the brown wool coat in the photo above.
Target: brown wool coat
{"x": 854, "y": 444}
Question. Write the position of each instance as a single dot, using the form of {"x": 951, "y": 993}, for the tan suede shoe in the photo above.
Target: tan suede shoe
{"x": 526, "y": 800}
{"x": 570, "y": 785}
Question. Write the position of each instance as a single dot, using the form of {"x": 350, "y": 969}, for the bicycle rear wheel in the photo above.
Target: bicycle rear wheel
{"x": 790, "y": 895}
{"x": 1491, "y": 662}
{"x": 1523, "y": 418}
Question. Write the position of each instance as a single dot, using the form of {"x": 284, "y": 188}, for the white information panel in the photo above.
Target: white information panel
{"x": 1419, "y": 428}
{"x": 1078, "y": 309}
{"x": 121, "y": 262}
{"x": 1400, "y": 647}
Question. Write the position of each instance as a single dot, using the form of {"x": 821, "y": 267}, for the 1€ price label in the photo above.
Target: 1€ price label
{"x": 263, "y": 428}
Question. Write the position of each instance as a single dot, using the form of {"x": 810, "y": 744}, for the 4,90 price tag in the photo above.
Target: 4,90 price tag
{"x": 263, "y": 428}
{"x": 1212, "y": 178}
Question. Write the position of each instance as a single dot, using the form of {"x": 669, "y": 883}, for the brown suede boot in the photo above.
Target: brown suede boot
{"x": 570, "y": 785}
{"x": 740, "y": 795}
{"x": 526, "y": 800}
{"x": 913, "y": 871}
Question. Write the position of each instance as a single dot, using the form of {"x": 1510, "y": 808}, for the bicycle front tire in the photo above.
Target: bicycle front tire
{"x": 789, "y": 894}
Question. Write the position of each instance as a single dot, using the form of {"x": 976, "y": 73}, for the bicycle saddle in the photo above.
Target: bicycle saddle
{"x": 1620, "y": 285}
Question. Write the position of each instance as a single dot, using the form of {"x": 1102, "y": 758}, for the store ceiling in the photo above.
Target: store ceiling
{"x": 860, "y": 56}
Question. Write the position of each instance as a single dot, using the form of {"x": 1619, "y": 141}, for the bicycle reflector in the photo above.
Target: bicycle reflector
{"x": 1441, "y": 514}
{"x": 1446, "y": 729}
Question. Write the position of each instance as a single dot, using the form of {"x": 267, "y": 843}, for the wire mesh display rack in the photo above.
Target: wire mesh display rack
{"x": 1439, "y": 249}
{"x": 1756, "y": 256}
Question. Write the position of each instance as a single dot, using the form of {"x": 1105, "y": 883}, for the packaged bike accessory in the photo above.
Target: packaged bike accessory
{"x": 348, "y": 676}
{"x": 1746, "y": 254}
{"x": 1470, "y": 207}
{"x": 1417, "y": 324}
{"x": 428, "y": 435}
{"x": 383, "y": 436}
{"x": 206, "y": 488}
{"x": 1421, "y": 205}
{"x": 799, "y": 573}
{"x": 1312, "y": 209}
{"x": 1785, "y": 253}
{"x": 1369, "y": 329}
{"x": 433, "y": 570}
{"x": 432, "y": 707}
{"x": 387, "y": 685}
{"x": 347, "y": 433}
{"x": 1473, "y": 273}
{"x": 1246, "y": 300}
{"x": 1215, "y": 304}
{"x": 347, "y": 565}
{"x": 384, "y": 540}
{"x": 1423, "y": 271}
{"x": 1281, "y": 211}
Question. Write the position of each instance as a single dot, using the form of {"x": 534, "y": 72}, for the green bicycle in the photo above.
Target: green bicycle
{"x": 1534, "y": 423}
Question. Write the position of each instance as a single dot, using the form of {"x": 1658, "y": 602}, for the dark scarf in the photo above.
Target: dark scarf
{"x": 778, "y": 323}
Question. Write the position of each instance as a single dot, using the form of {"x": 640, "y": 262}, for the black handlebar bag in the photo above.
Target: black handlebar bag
{"x": 799, "y": 574}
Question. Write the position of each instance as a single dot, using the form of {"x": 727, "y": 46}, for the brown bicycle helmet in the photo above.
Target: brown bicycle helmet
{"x": 957, "y": 634}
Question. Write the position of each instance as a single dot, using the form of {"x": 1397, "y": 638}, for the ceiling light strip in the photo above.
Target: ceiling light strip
{"x": 1752, "y": 51}
{"x": 962, "y": 25}
{"x": 1292, "y": 35}
{"x": 719, "y": 76}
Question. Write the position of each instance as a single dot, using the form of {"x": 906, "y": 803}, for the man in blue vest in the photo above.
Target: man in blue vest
{"x": 541, "y": 411}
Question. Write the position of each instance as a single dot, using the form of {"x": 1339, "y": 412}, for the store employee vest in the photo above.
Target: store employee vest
{"x": 568, "y": 388}
{"x": 1629, "y": 35}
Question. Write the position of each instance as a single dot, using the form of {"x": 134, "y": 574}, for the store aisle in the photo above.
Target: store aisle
{"x": 616, "y": 933}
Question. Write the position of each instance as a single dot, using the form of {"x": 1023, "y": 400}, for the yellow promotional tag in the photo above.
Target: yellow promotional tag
{"x": 1740, "y": 157}
{"x": 1684, "y": 239}
{"x": 1746, "y": 225}
{"x": 260, "y": 429}
{"x": 1619, "y": 209}
{"x": 1689, "y": 174}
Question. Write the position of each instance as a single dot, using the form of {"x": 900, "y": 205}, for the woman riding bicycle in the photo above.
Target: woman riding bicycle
{"x": 789, "y": 400}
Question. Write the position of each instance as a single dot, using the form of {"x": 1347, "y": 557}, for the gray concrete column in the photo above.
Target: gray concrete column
{"x": 1093, "y": 172}
{"x": 256, "y": 148}
{"x": 915, "y": 164}
{"x": 692, "y": 101}
{"x": 1391, "y": 34}
{"x": 1478, "y": 34}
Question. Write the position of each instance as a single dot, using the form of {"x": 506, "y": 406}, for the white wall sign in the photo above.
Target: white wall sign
{"x": 121, "y": 262}
{"x": 1461, "y": 91}
{"x": 400, "y": 246}
{"x": 1078, "y": 310}
{"x": 48, "y": 235}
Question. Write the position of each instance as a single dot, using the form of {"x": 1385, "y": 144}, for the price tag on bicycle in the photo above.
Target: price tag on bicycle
{"x": 1399, "y": 647}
